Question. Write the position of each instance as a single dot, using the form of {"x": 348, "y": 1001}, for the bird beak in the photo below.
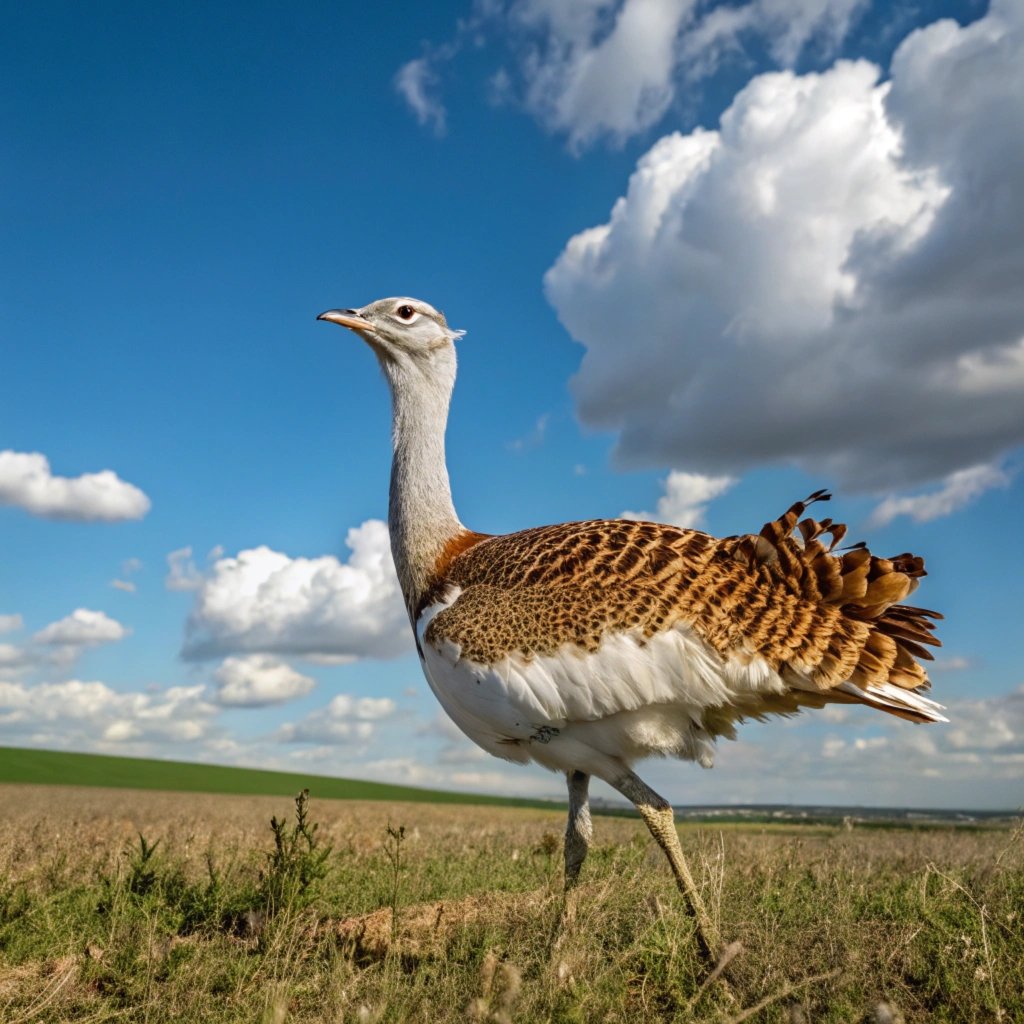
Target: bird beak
{"x": 348, "y": 318}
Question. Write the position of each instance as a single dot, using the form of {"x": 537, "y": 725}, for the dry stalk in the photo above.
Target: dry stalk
{"x": 786, "y": 990}
{"x": 714, "y": 871}
{"x": 729, "y": 954}
{"x": 103, "y": 1016}
{"x": 47, "y": 996}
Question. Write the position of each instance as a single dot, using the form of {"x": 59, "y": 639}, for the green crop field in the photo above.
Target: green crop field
{"x": 49, "y": 767}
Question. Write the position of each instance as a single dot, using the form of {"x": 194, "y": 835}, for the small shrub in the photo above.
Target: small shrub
{"x": 298, "y": 862}
{"x": 142, "y": 873}
{"x": 550, "y": 843}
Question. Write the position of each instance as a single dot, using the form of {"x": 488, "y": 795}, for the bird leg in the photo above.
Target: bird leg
{"x": 578, "y": 829}
{"x": 657, "y": 814}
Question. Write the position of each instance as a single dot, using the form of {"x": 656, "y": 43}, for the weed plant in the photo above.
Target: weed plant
{"x": 298, "y": 863}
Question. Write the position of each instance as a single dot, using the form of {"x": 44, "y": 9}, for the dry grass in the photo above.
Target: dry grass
{"x": 833, "y": 923}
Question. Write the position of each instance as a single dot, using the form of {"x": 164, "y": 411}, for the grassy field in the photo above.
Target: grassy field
{"x": 50, "y": 767}
{"x": 152, "y": 906}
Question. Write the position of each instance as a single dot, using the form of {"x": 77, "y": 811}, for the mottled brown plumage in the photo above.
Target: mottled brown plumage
{"x": 784, "y": 595}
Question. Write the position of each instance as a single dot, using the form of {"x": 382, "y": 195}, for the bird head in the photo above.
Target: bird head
{"x": 406, "y": 335}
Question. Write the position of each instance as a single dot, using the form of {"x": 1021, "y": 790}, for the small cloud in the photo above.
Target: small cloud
{"x": 535, "y": 438}
{"x": 955, "y": 664}
{"x": 958, "y": 489}
{"x": 364, "y": 708}
{"x": 10, "y": 623}
{"x": 686, "y": 498}
{"x": 258, "y": 680}
{"x": 60, "y": 644}
{"x": 579, "y": 469}
{"x": 27, "y": 482}
{"x": 129, "y": 567}
{"x": 833, "y": 746}
{"x": 182, "y": 573}
{"x": 415, "y": 83}
{"x": 500, "y": 90}
{"x": 836, "y": 714}
{"x": 82, "y": 628}
{"x": 328, "y": 659}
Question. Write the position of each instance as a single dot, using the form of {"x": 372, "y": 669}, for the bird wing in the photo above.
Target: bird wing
{"x": 582, "y": 620}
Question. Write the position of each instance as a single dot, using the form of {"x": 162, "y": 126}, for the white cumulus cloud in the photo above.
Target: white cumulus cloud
{"x": 262, "y": 601}
{"x": 27, "y": 482}
{"x": 82, "y": 628}
{"x": 58, "y": 645}
{"x": 685, "y": 500}
{"x": 258, "y": 680}
{"x": 829, "y": 280}
{"x": 91, "y": 714}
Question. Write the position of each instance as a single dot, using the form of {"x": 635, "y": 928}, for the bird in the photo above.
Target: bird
{"x": 589, "y": 646}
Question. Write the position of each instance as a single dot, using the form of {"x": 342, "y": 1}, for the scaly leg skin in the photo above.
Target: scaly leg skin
{"x": 657, "y": 814}
{"x": 578, "y": 829}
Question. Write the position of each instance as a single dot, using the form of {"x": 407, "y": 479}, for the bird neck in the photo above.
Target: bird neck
{"x": 421, "y": 516}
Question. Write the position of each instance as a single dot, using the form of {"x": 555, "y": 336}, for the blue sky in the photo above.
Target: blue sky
{"x": 709, "y": 258}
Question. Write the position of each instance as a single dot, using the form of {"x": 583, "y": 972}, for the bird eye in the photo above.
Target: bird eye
{"x": 405, "y": 313}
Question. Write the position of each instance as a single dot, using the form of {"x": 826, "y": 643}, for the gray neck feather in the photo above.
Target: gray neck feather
{"x": 421, "y": 516}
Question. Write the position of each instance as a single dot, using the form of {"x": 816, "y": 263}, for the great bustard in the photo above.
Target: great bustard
{"x": 588, "y": 646}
